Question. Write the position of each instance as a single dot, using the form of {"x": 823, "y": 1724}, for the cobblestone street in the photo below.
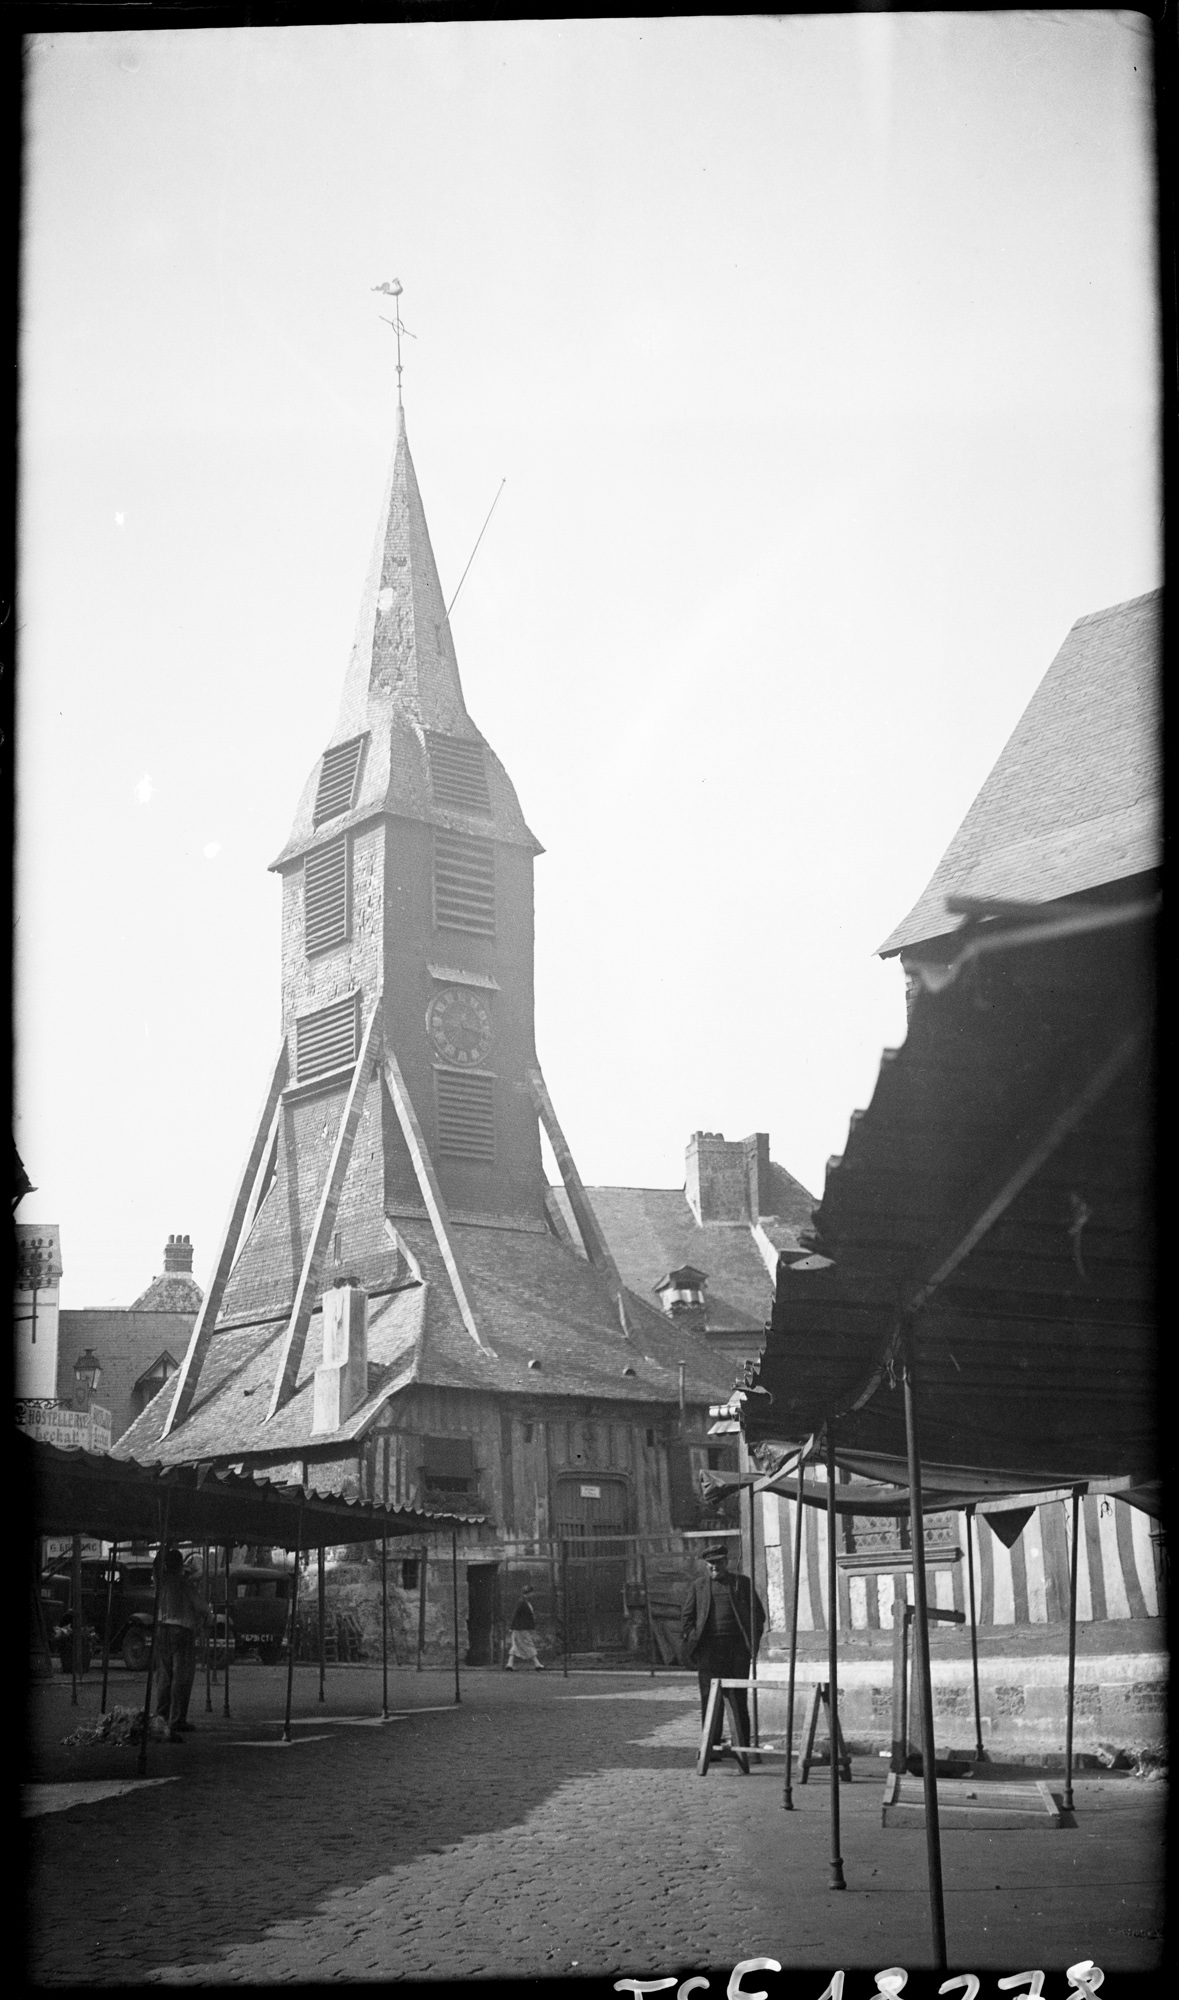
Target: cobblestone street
{"x": 544, "y": 1826}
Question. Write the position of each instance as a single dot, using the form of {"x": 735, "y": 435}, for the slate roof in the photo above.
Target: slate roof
{"x": 127, "y": 1343}
{"x": 171, "y": 1292}
{"x": 533, "y": 1300}
{"x": 402, "y": 681}
{"x": 1073, "y": 800}
{"x": 652, "y": 1230}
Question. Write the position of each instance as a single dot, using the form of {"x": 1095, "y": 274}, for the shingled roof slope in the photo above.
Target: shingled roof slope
{"x": 1073, "y": 800}
{"x": 533, "y": 1300}
{"x": 651, "y": 1231}
{"x": 170, "y": 1292}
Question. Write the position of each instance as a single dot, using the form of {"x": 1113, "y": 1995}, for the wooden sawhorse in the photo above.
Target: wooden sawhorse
{"x": 742, "y": 1754}
{"x": 821, "y": 1697}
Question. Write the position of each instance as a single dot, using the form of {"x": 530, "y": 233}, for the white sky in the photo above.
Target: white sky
{"x": 820, "y": 358}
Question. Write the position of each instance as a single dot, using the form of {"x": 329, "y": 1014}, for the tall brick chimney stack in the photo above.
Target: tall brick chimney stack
{"x": 727, "y": 1180}
{"x": 178, "y": 1254}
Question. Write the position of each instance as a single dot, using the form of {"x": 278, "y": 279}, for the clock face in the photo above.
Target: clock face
{"x": 459, "y": 1026}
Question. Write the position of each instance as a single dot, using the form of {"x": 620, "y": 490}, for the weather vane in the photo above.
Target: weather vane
{"x": 392, "y": 289}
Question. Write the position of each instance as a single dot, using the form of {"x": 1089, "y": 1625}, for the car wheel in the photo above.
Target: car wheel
{"x": 135, "y": 1649}
{"x": 271, "y": 1653}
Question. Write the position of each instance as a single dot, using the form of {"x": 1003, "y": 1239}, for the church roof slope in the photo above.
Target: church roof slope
{"x": 1073, "y": 800}
{"x": 534, "y": 1302}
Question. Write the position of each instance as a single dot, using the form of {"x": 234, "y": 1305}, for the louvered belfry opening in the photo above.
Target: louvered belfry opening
{"x": 466, "y": 1115}
{"x": 325, "y": 896}
{"x": 337, "y": 779}
{"x": 327, "y": 1040}
{"x": 464, "y": 883}
{"x": 458, "y": 772}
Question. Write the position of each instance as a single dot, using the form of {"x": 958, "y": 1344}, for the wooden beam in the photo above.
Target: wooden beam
{"x": 431, "y": 1192}
{"x": 596, "y": 1248}
{"x": 294, "y": 1340}
{"x": 206, "y": 1319}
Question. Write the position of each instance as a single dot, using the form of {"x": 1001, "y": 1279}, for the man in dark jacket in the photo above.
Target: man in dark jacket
{"x": 723, "y": 1620}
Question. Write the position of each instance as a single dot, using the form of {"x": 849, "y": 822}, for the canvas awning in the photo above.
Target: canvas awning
{"x": 994, "y": 1208}
{"x": 942, "y": 1489}
{"x": 89, "y": 1493}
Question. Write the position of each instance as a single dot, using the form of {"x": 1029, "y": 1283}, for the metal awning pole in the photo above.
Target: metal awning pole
{"x": 837, "y": 1881}
{"x": 145, "y": 1718}
{"x": 1067, "y": 1800}
{"x": 454, "y": 1591}
{"x": 647, "y": 1602}
{"x": 788, "y": 1792}
{"x": 286, "y": 1726}
{"x": 228, "y": 1555}
{"x": 565, "y": 1601}
{"x": 979, "y": 1752}
{"x": 933, "y": 1846}
{"x": 321, "y": 1593}
{"x": 210, "y": 1639}
{"x": 422, "y": 1602}
{"x": 77, "y": 1621}
{"x": 752, "y": 1612}
{"x": 106, "y": 1629}
{"x": 385, "y": 1627}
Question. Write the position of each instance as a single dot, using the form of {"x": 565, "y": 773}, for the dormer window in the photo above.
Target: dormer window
{"x": 682, "y": 1291}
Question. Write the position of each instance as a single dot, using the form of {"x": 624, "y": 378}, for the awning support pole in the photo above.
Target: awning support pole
{"x": 752, "y": 1617}
{"x": 933, "y": 1846}
{"x": 385, "y": 1627}
{"x": 788, "y": 1792}
{"x": 979, "y": 1752}
{"x": 647, "y": 1602}
{"x": 422, "y": 1602}
{"x": 565, "y": 1603}
{"x": 454, "y": 1592}
{"x": 322, "y": 1595}
{"x": 1067, "y": 1800}
{"x": 837, "y": 1881}
{"x": 106, "y": 1629}
{"x": 210, "y": 1637}
{"x": 294, "y": 1638}
{"x": 77, "y": 1621}
{"x": 228, "y": 1629}
{"x": 145, "y": 1719}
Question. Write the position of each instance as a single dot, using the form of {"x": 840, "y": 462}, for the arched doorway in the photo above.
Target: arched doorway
{"x": 589, "y": 1509}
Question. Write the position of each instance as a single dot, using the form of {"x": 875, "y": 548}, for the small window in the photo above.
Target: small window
{"x": 458, "y": 772}
{"x": 409, "y": 1573}
{"x": 327, "y": 1040}
{"x": 650, "y": 1437}
{"x": 466, "y": 1115}
{"x": 448, "y": 1464}
{"x": 464, "y": 884}
{"x": 337, "y": 779}
{"x": 326, "y": 902}
{"x": 528, "y": 1433}
{"x": 716, "y": 1459}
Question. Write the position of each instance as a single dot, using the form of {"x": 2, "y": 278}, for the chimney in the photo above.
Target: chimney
{"x": 178, "y": 1254}
{"x": 757, "y": 1174}
{"x": 717, "y": 1178}
{"x": 341, "y": 1380}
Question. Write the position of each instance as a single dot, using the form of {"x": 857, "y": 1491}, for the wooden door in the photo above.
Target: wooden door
{"x": 590, "y": 1509}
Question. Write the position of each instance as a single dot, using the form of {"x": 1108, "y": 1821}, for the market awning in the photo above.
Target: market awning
{"x": 939, "y": 1493}
{"x": 994, "y": 1207}
{"x": 88, "y": 1493}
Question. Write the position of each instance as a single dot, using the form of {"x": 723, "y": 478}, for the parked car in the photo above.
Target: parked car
{"x": 132, "y": 1605}
{"x": 56, "y": 1607}
{"x": 259, "y": 1609}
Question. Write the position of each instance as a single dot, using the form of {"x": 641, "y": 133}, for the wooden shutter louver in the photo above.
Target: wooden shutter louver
{"x": 464, "y": 884}
{"x": 337, "y": 779}
{"x": 466, "y": 1117}
{"x": 327, "y": 1040}
{"x": 325, "y": 897}
{"x": 458, "y": 772}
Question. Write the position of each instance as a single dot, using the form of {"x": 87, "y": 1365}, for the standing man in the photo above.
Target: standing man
{"x": 721, "y": 1628}
{"x": 523, "y": 1646}
{"x": 182, "y": 1614}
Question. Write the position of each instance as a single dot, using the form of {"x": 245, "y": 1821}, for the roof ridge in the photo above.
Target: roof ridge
{"x": 1124, "y": 604}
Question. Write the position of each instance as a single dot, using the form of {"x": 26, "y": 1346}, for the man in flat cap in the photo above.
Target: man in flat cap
{"x": 723, "y": 1620}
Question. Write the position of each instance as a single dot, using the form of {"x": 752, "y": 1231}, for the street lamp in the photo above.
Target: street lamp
{"x": 87, "y": 1376}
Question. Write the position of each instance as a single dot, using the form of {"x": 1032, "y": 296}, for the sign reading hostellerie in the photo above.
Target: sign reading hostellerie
{"x": 56, "y": 1423}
